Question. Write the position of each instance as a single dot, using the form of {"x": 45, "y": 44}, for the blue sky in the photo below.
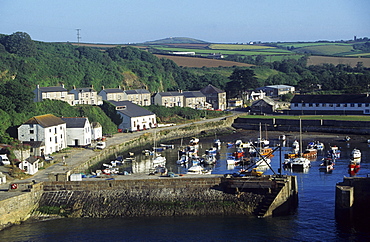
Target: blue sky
{"x": 219, "y": 21}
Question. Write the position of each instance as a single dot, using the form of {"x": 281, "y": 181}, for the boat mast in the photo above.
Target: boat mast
{"x": 300, "y": 137}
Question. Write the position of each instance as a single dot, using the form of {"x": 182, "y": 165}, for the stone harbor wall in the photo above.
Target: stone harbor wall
{"x": 147, "y": 197}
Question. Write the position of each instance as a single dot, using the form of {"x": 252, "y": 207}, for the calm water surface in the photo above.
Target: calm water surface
{"x": 314, "y": 219}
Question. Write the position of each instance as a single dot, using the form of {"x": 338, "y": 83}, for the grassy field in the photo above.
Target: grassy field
{"x": 309, "y": 44}
{"x": 326, "y": 49}
{"x": 238, "y": 47}
{"x": 319, "y": 60}
{"x": 315, "y": 117}
{"x": 200, "y": 62}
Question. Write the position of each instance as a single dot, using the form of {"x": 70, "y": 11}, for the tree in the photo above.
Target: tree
{"x": 20, "y": 43}
{"x": 241, "y": 80}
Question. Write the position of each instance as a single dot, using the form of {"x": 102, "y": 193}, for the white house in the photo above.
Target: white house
{"x": 277, "y": 90}
{"x": 78, "y": 131}
{"x": 112, "y": 94}
{"x": 53, "y": 93}
{"x": 49, "y": 129}
{"x": 169, "y": 99}
{"x": 86, "y": 95}
{"x": 140, "y": 97}
{"x": 96, "y": 131}
{"x": 196, "y": 100}
{"x": 134, "y": 117}
{"x": 30, "y": 165}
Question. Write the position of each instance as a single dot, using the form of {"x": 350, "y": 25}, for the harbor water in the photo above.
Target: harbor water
{"x": 314, "y": 219}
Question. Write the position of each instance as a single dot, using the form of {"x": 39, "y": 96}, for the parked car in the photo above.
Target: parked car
{"x": 4, "y": 160}
{"x": 100, "y": 145}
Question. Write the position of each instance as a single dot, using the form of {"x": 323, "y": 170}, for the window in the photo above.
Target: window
{"x": 338, "y": 105}
{"x": 331, "y": 105}
{"x": 56, "y": 139}
{"x": 55, "y": 130}
{"x": 345, "y": 105}
{"x": 317, "y": 104}
{"x": 352, "y": 105}
{"x": 296, "y": 105}
{"x": 31, "y": 131}
{"x": 310, "y": 104}
{"x": 359, "y": 105}
{"x": 367, "y": 105}
{"x": 324, "y": 105}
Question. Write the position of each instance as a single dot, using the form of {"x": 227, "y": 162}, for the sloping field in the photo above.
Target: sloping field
{"x": 200, "y": 62}
{"x": 325, "y": 49}
{"x": 319, "y": 60}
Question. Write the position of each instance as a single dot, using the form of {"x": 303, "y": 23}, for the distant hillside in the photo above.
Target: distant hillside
{"x": 176, "y": 40}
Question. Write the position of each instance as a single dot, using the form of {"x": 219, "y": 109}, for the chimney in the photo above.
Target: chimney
{"x": 102, "y": 87}
{"x": 62, "y": 85}
{"x": 74, "y": 87}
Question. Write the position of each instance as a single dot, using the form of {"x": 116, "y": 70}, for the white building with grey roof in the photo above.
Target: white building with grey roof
{"x": 79, "y": 131}
{"x": 134, "y": 117}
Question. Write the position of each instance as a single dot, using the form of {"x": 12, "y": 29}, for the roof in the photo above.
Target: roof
{"x": 137, "y": 91}
{"x": 193, "y": 94}
{"x": 52, "y": 89}
{"x": 264, "y": 101}
{"x": 83, "y": 89}
{"x": 211, "y": 89}
{"x": 34, "y": 144}
{"x": 32, "y": 159}
{"x": 354, "y": 98}
{"x": 47, "y": 120}
{"x": 169, "y": 94}
{"x": 95, "y": 125}
{"x": 130, "y": 109}
{"x": 75, "y": 122}
{"x": 112, "y": 90}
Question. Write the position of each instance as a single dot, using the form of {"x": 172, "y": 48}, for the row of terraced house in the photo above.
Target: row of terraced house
{"x": 209, "y": 97}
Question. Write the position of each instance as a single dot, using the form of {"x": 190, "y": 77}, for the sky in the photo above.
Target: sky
{"x": 216, "y": 21}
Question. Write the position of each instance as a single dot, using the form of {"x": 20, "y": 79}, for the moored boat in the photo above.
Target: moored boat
{"x": 327, "y": 165}
{"x": 356, "y": 153}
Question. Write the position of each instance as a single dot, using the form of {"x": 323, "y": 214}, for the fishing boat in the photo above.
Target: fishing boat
{"x": 196, "y": 168}
{"x": 182, "y": 160}
{"x": 354, "y": 167}
{"x": 231, "y": 160}
{"x": 209, "y": 159}
{"x": 356, "y": 153}
{"x": 254, "y": 172}
{"x": 194, "y": 141}
{"x": 334, "y": 151}
{"x": 299, "y": 163}
{"x": 327, "y": 165}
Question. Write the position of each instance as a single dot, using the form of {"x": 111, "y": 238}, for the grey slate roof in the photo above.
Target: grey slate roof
{"x": 52, "y": 89}
{"x": 211, "y": 89}
{"x": 170, "y": 94}
{"x": 131, "y": 109}
{"x": 75, "y": 122}
{"x": 137, "y": 91}
{"x": 193, "y": 94}
{"x": 83, "y": 89}
{"x": 113, "y": 90}
{"x": 354, "y": 98}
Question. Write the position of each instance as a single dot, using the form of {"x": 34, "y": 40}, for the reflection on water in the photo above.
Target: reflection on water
{"x": 313, "y": 221}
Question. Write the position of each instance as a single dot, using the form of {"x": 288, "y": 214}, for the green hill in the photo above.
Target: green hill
{"x": 176, "y": 40}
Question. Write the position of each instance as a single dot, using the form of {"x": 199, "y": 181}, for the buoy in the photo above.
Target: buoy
{"x": 13, "y": 186}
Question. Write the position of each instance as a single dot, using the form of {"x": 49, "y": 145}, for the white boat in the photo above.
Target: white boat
{"x": 182, "y": 160}
{"x": 295, "y": 146}
{"x": 261, "y": 162}
{"x": 334, "y": 152}
{"x": 159, "y": 159}
{"x": 198, "y": 169}
{"x": 300, "y": 164}
{"x": 230, "y": 160}
{"x": 356, "y": 153}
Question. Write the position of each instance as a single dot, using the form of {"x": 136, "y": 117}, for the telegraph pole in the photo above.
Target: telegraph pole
{"x": 78, "y": 36}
